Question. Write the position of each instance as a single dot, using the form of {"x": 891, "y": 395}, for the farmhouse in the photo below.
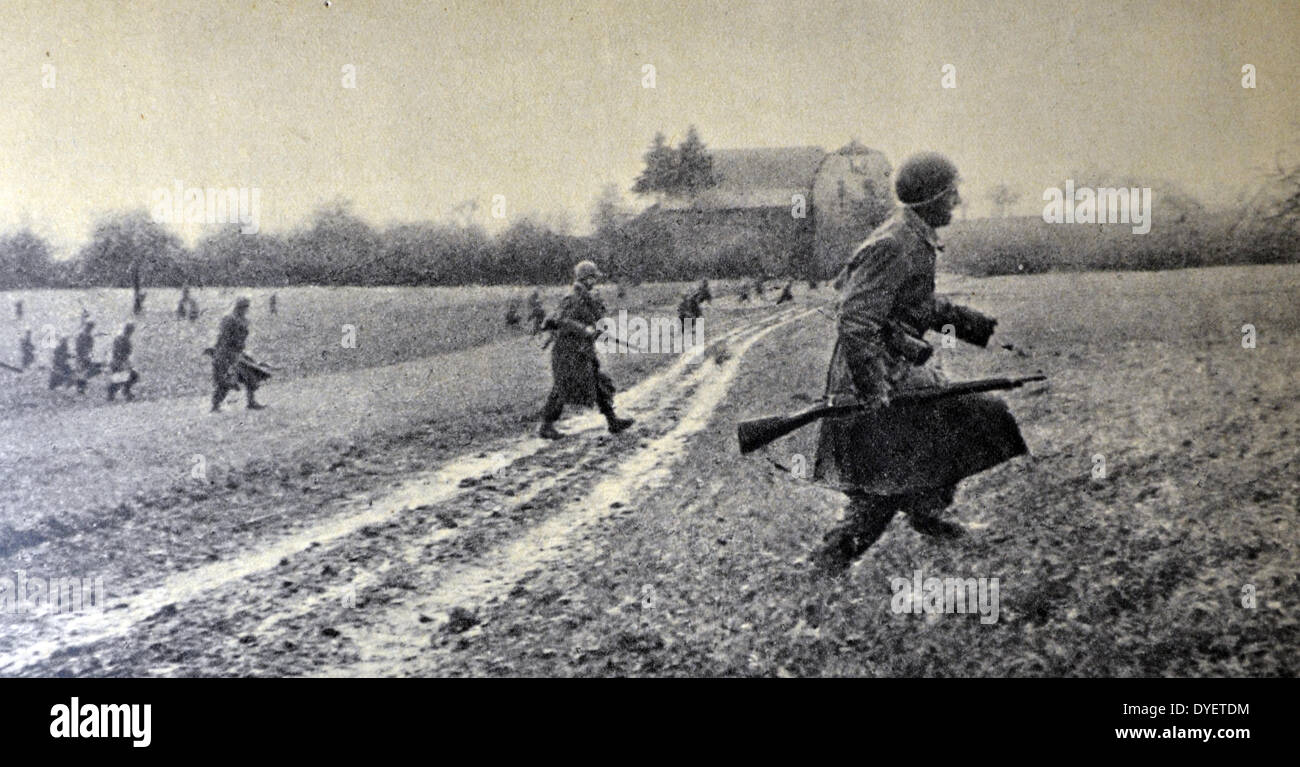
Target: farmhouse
{"x": 793, "y": 211}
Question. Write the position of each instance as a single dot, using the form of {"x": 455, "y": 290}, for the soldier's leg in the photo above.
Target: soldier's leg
{"x": 924, "y": 509}
{"x": 251, "y": 388}
{"x": 605, "y": 401}
{"x": 865, "y": 520}
{"x": 551, "y": 413}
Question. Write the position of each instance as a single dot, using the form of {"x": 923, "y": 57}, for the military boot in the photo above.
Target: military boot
{"x": 548, "y": 431}
{"x": 617, "y": 425}
{"x": 865, "y": 521}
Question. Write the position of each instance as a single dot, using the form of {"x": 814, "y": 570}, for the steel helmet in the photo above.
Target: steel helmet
{"x": 924, "y": 178}
{"x": 586, "y": 269}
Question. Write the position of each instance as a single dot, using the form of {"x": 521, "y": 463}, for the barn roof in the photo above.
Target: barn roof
{"x": 756, "y": 178}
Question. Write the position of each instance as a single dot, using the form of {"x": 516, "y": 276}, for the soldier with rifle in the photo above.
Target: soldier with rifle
{"x": 87, "y": 368}
{"x": 121, "y": 375}
{"x": 231, "y": 368}
{"x": 578, "y": 378}
{"x": 907, "y": 457}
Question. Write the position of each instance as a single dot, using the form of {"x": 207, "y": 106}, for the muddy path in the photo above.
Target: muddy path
{"x": 355, "y": 592}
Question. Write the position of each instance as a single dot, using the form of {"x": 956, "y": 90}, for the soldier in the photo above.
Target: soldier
{"x": 227, "y": 371}
{"x": 905, "y": 458}
{"x": 578, "y": 379}
{"x": 512, "y": 312}
{"x": 535, "y": 311}
{"x": 812, "y": 283}
{"x": 18, "y": 309}
{"x": 758, "y": 288}
{"x": 183, "y": 306}
{"x": 87, "y": 368}
{"x": 26, "y": 349}
{"x": 272, "y": 303}
{"x": 121, "y": 374}
{"x": 689, "y": 308}
{"x": 787, "y": 293}
{"x": 60, "y": 367}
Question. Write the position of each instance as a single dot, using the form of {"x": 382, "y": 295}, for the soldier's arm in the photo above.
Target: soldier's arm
{"x": 566, "y": 321}
{"x": 882, "y": 269}
{"x": 970, "y": 326}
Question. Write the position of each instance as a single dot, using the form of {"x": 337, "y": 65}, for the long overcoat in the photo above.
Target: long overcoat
{"x": 887, "y": 287}
{"x": 578, "y": 379}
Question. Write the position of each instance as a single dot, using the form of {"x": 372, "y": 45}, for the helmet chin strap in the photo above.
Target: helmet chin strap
{"x": 929, "y": 200}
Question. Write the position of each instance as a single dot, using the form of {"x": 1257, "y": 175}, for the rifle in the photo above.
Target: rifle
{"x": 758, "y": 432}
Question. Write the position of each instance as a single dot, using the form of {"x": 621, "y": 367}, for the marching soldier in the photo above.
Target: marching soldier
{"x": 60, "y": 365}
{"x": 121, "y": 374}
{"x": 26, "y": 349}
{"x": 787, "y": 293}
{"x": 535, "y": 311}
{"x": 229, "y": 371}
{"x": 87, "y": 368}
{"x": 904, "y": 458}
{"x": 690, "y": 308}
{"x": 578, "y": 378}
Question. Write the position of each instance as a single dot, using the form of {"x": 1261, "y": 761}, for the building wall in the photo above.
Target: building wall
{"x": 851, "y": 195}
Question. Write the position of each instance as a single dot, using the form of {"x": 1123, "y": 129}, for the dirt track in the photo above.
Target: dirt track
{"x": 663, "y": 552}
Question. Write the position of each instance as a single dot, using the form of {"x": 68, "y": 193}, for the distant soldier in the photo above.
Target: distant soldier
{"x": 903, "y": 458}
{"x": 137, "y": 304}
{"x": 743, "y": 296}
{"x": 60, "y": 365}
{"x": 26, "y": 349}
{"x": 121, "y": 374}
{"x": 787, "y": 293}
{"x": 272, "y": 303}
{"x": 578, "y": 378}
{"x": 812, "y": 284}
{"x": 18, "y": 309}
{"x": 229, "y": 369}
{"x": 757, "y": 288}
{"x": 183, "y": 306}
{"x": 87, "y": 368}
{"x": 512, "y": 312}
{"x": 690, "y": 303}
{"x": 535, "y": 311}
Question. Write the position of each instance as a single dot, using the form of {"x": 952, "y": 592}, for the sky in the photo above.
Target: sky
{"x": 544, "y": 102}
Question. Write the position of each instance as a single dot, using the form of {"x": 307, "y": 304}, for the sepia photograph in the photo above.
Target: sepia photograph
{"x": 649, "y": 338}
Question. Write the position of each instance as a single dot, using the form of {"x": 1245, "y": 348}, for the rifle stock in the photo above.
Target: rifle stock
{"x": 759, "y": 432}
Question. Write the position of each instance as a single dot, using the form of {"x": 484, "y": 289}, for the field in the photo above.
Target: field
{"x": 305, "y": 338}
{"x": 399, "y": 519}
{"x": 1026, "y": 245}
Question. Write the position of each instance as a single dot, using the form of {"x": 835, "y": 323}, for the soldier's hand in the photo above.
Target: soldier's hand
{"x": 591, "y": 332}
